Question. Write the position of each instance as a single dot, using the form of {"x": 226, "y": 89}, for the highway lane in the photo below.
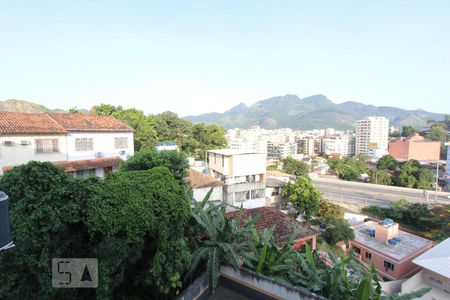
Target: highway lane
{"x": 370, "y": 194}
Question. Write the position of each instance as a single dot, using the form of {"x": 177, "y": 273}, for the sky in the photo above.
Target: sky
{"x": 192, "y": 57}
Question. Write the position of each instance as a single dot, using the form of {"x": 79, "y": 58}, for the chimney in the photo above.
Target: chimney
{"x": 386, "y": 230}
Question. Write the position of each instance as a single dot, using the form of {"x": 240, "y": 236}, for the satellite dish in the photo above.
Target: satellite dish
{"x": 5, "y": 231}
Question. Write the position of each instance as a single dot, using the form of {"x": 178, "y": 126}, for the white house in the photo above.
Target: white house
{"x": 201, "y": 184}
{"x": 83, "y": 144}
{"x": 243, "y": 173}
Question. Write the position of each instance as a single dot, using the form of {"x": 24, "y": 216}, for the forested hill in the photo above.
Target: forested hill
{"x": 311, "y": 112}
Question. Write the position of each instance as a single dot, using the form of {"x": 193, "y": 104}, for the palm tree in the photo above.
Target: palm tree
{"x": 221, "y": 238}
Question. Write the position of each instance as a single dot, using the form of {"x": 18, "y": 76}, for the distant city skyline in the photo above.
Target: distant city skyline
{"x": 197, "y": 57}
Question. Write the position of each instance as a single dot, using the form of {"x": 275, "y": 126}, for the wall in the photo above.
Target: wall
{"x": 248, "y": 164}
{"x": 200, "y": 193}
{"x": 430, "y": 151}
{"x": 103, "y": 142}
{"x": 265, "y": 285}
{"x": 399, "y": 149}
{"x": 198, "y": 290}
{"x": 219, "y": 163}
{"x": 20, "y": 154}
{"x": 402, "y": 268}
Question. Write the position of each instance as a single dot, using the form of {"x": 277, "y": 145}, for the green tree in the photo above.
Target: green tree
{"x": 137, "y": 220}
{"x": 380, "y": 177}
{"x": 206, "y": 137}
{"x": 408, "y": 131}
{"x": 105, "y": 109}
{"x": 438, "y": 132}
{"x": 338, "y": 230}
{"x": 295, "y": 167}
{"x": 425, "y": 179}
{"x": 328, "y": 208}
{"x": 304, "y": 196}
{"x": 387, "y": 162}
{"x": 74, "y": 110}
{"x": 172, "y": 128}
{"x": 175, "y": 161}
{"x": 47, "y": 214}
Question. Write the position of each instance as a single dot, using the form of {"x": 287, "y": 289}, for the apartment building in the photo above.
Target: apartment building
{"x": 305, "y": 146}
{"x": 435, "y": 274}
{"x": 371, "y": 133}
{"x": 281, "y": 149}
{"x": 343, "y": 145}
{"x": 82, "y": 144}
{"x": 243, "y": 173}
{"x": 415, "y": 147}
{"x": 391, "y": 250}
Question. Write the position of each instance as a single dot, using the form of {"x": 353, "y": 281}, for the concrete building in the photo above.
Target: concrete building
{"x": 83, "y": 144}
{"x": 243, "y": 173}
{"x": 344, "y": 145}
{"x": 435, "y": 274}
{"x": 281, "y": 149}
{"x": 390, "y": 249}
{"x": 371, "y": 133}
{"x": 306, "y": 146}
{"x": 274, "y": 189}
{"x": 415, "y": 147}
{"x": 447, "y": 166}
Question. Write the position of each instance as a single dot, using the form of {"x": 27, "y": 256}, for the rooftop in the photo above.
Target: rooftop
{"x": 58, "y": 123}
{"x": 436, "y": 259}
{"x": 91, "y": 123}
{"x": 273, "y": 183}
{"x": 268, "y": 217}
{"x": 276, "y": 173}
{"x": 408, "y": 245}
{"x": 229, "y": 152}
{"x": 28, "y": 123}
{"x": 199, "y": 180}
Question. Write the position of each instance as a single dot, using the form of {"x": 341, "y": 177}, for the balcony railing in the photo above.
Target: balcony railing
{"x": 247, "y": 186}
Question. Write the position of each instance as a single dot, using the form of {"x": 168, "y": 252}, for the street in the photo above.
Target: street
{"x": 364, "y": 194}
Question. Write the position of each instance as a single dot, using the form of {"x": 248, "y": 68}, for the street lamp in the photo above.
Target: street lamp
{"x": 5, "y": 231}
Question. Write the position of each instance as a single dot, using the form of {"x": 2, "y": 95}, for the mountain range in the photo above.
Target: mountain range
{"x": 285, "y": 111}
{"x": 316, "y": 111}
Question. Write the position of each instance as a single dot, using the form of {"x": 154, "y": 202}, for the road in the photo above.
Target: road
{"x": 364, "y": 194}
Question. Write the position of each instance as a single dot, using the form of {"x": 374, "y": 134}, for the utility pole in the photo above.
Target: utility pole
{"x": 437, "y": 180}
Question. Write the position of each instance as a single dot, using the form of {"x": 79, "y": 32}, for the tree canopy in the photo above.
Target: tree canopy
{"x": 164, "y": 127}
{"x": 304, "y": 196}
{"x": 387, "y": 162}
{"x": 133, "y": 222}
{"x": 337, "y": 230}
{"x": 295, "y": 167}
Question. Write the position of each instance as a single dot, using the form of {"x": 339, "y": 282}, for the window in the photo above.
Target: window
{"x": 84, "y": 173}
{"x": 368, "y": 255}
{"x": 388, "y": 265}
{"x": 46, "y": 145}
{"x": 120, "y": 142}
{"x": 356, "y": 250}
{"x": 84, "y": 144}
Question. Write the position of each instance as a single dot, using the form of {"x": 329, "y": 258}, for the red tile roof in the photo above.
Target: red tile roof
{"x": 267, "y": 217}
{"x": 58, "y": 123}
{"x": 92, "y": 123}
{"x": 28, "y": 123}
{"x": 79, "y": 165}
{"x": 199, "y": 180}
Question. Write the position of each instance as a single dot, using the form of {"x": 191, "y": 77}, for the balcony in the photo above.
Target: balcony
{"x": 246, "y": 186}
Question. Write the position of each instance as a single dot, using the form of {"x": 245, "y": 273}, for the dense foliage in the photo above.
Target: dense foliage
{"x": 349, "y": 168}
{"x": 295, "y": 167}
{"x": 133, "y": 222}
{"x": 434, "y": 221}
{"x": 304, "y": 196}
{"x": 380, "y": 177}
{"x": 146, "y": 159}
{"x": 328, "y": 208}
{"x": 337, "y": 230}
{"x": 387, "y": 162}
{"x": 167, "y": 126}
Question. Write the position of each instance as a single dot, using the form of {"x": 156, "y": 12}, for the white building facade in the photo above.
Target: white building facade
{"x": 84, "y": 145}
{"x": 371, "y": 133}
{"x": 243, "y": 173}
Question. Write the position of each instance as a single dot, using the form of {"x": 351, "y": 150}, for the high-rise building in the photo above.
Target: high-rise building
{"x": 372, "y": 133}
